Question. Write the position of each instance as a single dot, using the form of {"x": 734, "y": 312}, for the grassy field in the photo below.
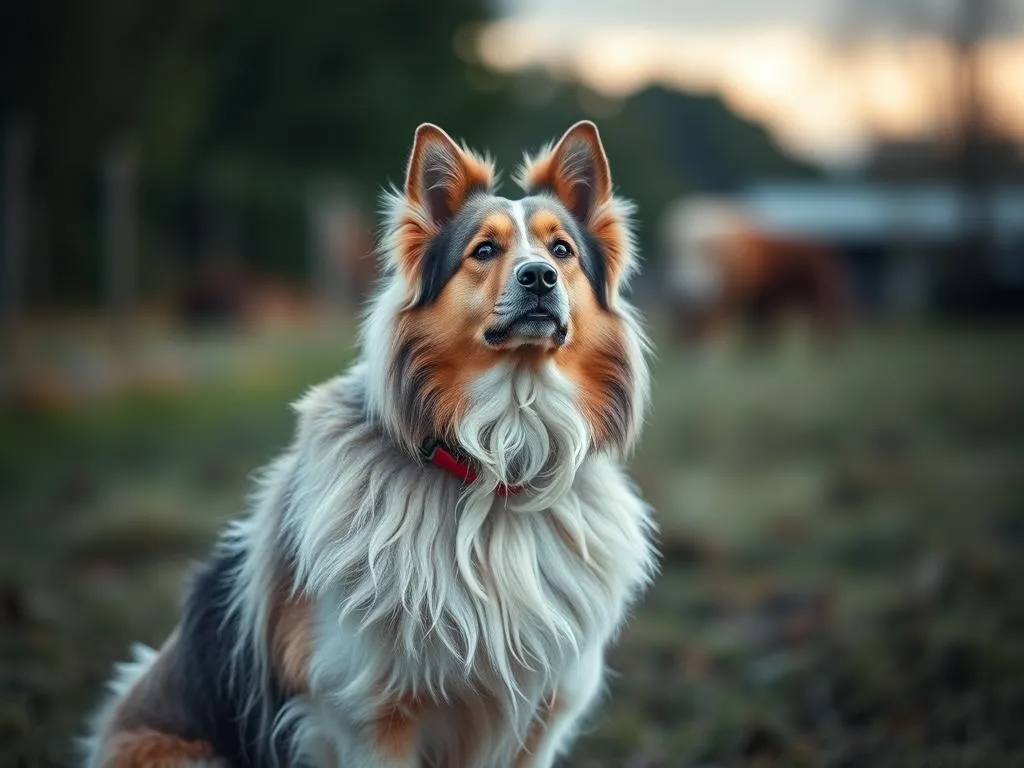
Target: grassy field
{"x": 843, "y": 539}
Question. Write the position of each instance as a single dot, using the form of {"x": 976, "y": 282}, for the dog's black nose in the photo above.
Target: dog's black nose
{"x": 539, "y": 277}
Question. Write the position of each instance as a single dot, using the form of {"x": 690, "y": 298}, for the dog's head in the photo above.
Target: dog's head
{"x": 477, "y": 281}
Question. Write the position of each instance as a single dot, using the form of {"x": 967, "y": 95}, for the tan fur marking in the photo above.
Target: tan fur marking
{"x": 291, "y": 643}
{"x": 146, "y": 748}
{"x": 397, "y": 728}
{"x": 548, "y": 710}
{"x": 496, "y": 227}
{"x": 609, "y": 230}
{"x": 539, "y": 171}
{"x": 413, "y": 238}
{"x": 546, "y": 227}
{"x": 590, "y": 358}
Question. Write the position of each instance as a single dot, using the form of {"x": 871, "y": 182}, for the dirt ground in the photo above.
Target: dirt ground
{"x": 842, "y": 532}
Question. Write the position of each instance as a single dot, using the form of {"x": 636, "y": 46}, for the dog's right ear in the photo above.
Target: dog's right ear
{"x": 442, "y": 175}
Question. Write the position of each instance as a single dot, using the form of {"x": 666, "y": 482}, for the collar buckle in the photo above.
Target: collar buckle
{"x": 428, "y": 449}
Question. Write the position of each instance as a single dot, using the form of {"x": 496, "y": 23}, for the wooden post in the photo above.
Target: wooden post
{"x": 333, "y": 219}
{"x": 119, "y": 233}
{"x": 974, "y": 175}
{"x": 17, "y": 156}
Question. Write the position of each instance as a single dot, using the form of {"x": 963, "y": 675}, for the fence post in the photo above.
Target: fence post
{"x": 120, "y": 258}
{"x": 334, "y": 220}
{"x": 17, "y": 156}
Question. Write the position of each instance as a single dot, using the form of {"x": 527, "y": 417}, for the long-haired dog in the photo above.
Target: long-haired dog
{"x": 431, "y": 574}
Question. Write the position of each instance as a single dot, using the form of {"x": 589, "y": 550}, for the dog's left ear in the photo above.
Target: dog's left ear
{"x": 442, "y": 175}
{"x": 576, "y": 171}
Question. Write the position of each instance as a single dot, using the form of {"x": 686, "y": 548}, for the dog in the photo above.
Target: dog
{"x": 431, "y": 574}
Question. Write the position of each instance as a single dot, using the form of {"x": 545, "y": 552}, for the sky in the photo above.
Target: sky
{"x": 826, "y": 77}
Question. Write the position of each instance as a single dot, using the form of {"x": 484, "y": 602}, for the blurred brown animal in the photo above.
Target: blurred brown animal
{"x": 741, "y": 275}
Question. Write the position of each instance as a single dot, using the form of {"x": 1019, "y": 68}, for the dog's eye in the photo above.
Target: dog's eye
{"x": 485, "y": 251}
{"x": 561, "y": 249}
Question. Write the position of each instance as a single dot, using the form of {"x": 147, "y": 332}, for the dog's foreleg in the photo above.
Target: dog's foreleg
{"x": 560, "y": 713}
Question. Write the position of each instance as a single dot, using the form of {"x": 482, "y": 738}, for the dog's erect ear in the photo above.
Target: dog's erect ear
{"x": 575, "y": 170}
{"x": 441, "y": 175}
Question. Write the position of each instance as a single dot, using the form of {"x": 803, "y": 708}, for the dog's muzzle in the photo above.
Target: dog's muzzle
{"x": 534, "y": 309}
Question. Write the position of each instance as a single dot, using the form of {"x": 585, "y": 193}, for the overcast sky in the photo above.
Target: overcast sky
{"x": 724, "y": 15}
{"x": 776, "y": 61}
{"x": 694, "y": 14}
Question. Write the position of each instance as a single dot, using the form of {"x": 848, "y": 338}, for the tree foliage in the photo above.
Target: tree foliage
{"x": 235, "y": 108}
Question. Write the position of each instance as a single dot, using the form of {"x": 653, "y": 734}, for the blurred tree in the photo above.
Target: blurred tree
{"x": 236, "y": 108}
{"x": 84, "y": 75}
{"x": 236, "y": 100}
{"x": 339, "y": 88}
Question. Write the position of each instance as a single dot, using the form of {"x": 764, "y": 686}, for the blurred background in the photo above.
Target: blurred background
{"x": 831, "y": 212}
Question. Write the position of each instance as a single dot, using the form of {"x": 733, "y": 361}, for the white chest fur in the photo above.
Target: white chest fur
{"x": 428, "y": 591}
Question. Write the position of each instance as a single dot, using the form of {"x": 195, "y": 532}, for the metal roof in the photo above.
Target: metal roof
{"x": 870, "y": 212}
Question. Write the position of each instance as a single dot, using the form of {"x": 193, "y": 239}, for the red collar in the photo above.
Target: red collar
{"x": 436, "y": 453}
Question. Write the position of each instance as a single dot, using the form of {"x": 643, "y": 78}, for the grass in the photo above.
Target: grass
{"x": 843, "y": 539}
